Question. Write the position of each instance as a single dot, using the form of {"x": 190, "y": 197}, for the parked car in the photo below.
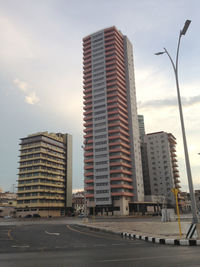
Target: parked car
{"x": 35, "y": 215}
{"x": 81, "y": 215}
{"x": 7, "y": 217}
{"x": 28, "y": 216}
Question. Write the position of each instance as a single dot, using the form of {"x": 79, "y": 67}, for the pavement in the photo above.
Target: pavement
{"x": 154, "y": 231}
{"x": 158, "y": 229}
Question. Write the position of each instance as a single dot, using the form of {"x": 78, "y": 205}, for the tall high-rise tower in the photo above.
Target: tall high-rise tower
{"x": 112, "y": 158}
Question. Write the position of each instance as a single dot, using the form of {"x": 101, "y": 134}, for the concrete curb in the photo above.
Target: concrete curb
{"x": 177, "y": 242}
{"x": 157, "y": 240}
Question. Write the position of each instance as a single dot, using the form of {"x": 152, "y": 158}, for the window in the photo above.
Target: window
{"x": 99, "y": 112}
{"x": 100, "y": 118}
{"x": 97, "y": 49}
{"x": 101, "y": 156}
{"x": 102, "y": 199}
{"x": 101, "y": 170}
{"x": 99, "y": 90}
{"x": 100, "y": 64}
{"x": 100, "y": 143}
{"x": 100, "y": 124}
{"x": 98, "y": 84}
{"x": 99, "y": 95}
{"x": 100, "y": 130}
{"x": 97, "y": 40}
{"x": 99, "y": 101}
{"x": 101, "y": 162}
{"x": 101, "y": 59}
{"x": 101, "y": 149}
{"x": 98, "y": 74}
{"x": 100, "y": 136}
{"x": 101, "y": 184}
{"x": 98, "y": 79}
{"x": 97, "y": 45}
{"x": 101, "y": 177}
{"x": 101, "y": 106}
{"x": 97, "y": 54}
{"x": 102, "y": 191}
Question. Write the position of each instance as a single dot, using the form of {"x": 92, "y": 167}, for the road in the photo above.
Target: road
{"x": 40, "y": 245}
{"x": 74, "y": 220}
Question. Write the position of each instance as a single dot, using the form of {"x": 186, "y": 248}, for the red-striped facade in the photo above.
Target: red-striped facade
{"x": 121, "y": 183}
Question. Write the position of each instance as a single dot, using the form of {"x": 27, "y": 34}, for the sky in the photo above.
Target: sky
{"x": 41, "y": 72}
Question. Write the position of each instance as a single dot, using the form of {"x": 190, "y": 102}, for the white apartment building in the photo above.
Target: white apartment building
{"x": 162, "y": 164}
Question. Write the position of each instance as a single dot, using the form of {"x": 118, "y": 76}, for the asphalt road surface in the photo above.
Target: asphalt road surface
{"x": 40, "y": 245}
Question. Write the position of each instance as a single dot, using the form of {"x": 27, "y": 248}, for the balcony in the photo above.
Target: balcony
{"x": 120, "y": 171}
{"x": 88, "y": 136}
{"x": 89, "y": 188}
{"x": 89, "y": 195}
{"x": 126, "y": 194}
{"x": 126, "y": 186}
{"x": 87, "y": 112}
{"x": 121, "y": 179}
{"x": 87, "y": 118}
{"x": 88, "y": 174}
{"x": 38, "y": 205}
{"x": 88, "y": 181}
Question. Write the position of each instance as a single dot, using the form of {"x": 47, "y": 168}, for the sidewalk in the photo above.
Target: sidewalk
{"x": 158, "y": 232}
{"x": 157, "y": 229}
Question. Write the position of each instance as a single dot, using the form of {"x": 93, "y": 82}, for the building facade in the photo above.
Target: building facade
{"x": 112, "y": 158}
{"x": 162, "y": 164}
{"x": 78, "y": 202}
{"x": 145, "y": 167}
{"x": 7, "y": 204}
{"x": 197, "y": 198}
{"x": 45, "y": 175}
{"x": 141, "y": 126}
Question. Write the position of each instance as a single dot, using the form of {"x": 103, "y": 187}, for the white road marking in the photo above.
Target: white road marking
{"x": 52, "y": 233}
{"x": 132, "y": 244}
{"x": 100, "y": 245}
{"x": 118, "y": 244}
{"x": 22, "y": 246}
{"x": 137, "y": 243}
{"x": 79, "y": 246}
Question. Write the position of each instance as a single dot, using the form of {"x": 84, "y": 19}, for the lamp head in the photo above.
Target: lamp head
{"x": 186, "y": 26}
{"x": 159, "y": 53}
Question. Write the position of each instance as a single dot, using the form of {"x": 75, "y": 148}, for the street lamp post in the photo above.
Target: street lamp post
{"x": 175, "y": 68}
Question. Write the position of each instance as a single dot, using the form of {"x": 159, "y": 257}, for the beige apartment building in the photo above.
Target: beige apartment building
{"x": 45, "y": 175}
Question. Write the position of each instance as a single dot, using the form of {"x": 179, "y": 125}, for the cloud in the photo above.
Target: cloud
{"x": 169, "y": 102}
{"x": 21, "y": 85}
{"x": 30, "y": 96}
